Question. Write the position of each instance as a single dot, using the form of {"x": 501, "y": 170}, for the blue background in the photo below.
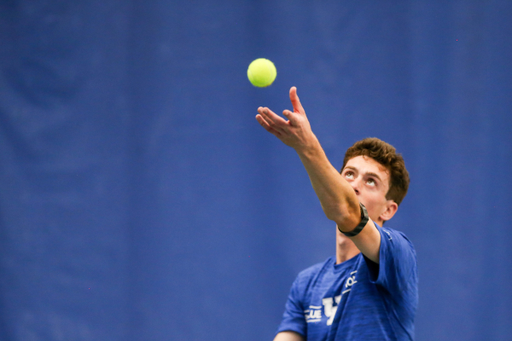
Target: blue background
{"x": 141, "y": 200}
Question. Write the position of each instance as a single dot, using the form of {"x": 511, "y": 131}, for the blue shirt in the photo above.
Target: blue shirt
{"x": 357, "y": 299}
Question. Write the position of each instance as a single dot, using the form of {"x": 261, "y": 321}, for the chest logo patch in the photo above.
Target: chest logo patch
{"x": 314, "y": 313}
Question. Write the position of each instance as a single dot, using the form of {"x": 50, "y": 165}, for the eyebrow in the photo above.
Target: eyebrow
{"x": 367, "y": 174}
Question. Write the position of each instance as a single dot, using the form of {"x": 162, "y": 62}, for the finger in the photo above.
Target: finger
{"x": 268, "y": 113}
{"x": 267, "y": 118}
{"x": 291, "y": 116}
{"x": 294, "y": 98}
{"x": 271, "y": 117}
{"x": 261, "y": 120}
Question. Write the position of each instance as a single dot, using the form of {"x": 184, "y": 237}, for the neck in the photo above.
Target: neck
{"x": 345, "y": 248}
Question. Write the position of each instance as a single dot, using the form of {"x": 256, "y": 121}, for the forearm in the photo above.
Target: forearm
{"x": 338, "y": 199}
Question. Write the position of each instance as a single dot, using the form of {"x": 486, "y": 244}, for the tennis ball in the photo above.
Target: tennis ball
{"x": 261, "y": 72}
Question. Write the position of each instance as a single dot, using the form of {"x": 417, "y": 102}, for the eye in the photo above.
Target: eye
{"x": 371, "y": 182}
{"x": 349, "y": 175}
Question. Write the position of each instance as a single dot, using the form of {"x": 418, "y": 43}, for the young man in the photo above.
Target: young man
{"x": 368, "y": 291}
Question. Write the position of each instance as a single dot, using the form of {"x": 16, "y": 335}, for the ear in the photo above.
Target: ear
{"x": 391, "y": 208}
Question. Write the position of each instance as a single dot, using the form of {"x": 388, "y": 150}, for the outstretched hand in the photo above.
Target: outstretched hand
{"x": 296, "y": 131}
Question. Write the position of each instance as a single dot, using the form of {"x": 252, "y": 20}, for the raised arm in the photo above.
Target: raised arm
{"x": 337, "y": 197}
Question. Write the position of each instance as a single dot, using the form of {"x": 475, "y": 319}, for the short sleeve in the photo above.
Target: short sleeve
{"x": 397, "y": 268}
{"x": 293, "y": 317}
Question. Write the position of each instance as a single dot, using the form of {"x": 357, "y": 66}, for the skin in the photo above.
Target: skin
{"x": 289, "y": 336}
{"x": 362, "y": 180}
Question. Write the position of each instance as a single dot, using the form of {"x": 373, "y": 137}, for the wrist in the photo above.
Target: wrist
{"x": 309, "y": 148}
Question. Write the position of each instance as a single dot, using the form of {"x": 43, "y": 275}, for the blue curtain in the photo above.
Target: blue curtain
{"x": 140, "y": 199}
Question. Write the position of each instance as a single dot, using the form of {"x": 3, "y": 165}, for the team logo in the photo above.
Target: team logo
{"x": 329, "y": 304}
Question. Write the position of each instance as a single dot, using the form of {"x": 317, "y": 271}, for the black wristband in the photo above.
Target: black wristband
{"x": 362, "y": 224}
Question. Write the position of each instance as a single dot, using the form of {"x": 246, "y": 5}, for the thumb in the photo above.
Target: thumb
{"x": 294, "y": 98}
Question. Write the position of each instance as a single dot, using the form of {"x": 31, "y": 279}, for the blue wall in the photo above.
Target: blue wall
{"x": 140, "y": 199}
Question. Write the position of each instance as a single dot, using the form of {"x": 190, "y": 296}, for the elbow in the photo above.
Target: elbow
{"x": 346, "y": 219}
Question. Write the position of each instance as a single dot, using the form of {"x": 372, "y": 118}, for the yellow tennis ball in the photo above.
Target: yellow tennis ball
{"x": 261, "y": 72}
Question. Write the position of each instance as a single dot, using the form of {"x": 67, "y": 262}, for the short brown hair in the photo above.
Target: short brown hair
{"x": 386, "y": 155}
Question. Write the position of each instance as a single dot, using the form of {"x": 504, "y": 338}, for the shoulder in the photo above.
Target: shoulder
{"x": 393, "y": 236}
{"x": 312, "y": 274}
{"x": 309, "y": 280}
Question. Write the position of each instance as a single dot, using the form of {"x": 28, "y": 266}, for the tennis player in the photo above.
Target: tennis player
{"x": 369, "y": 289}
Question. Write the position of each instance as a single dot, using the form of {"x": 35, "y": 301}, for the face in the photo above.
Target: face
{"x": 370, "y": 181}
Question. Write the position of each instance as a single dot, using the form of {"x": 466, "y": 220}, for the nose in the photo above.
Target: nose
{"x": 355, "y": 185}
